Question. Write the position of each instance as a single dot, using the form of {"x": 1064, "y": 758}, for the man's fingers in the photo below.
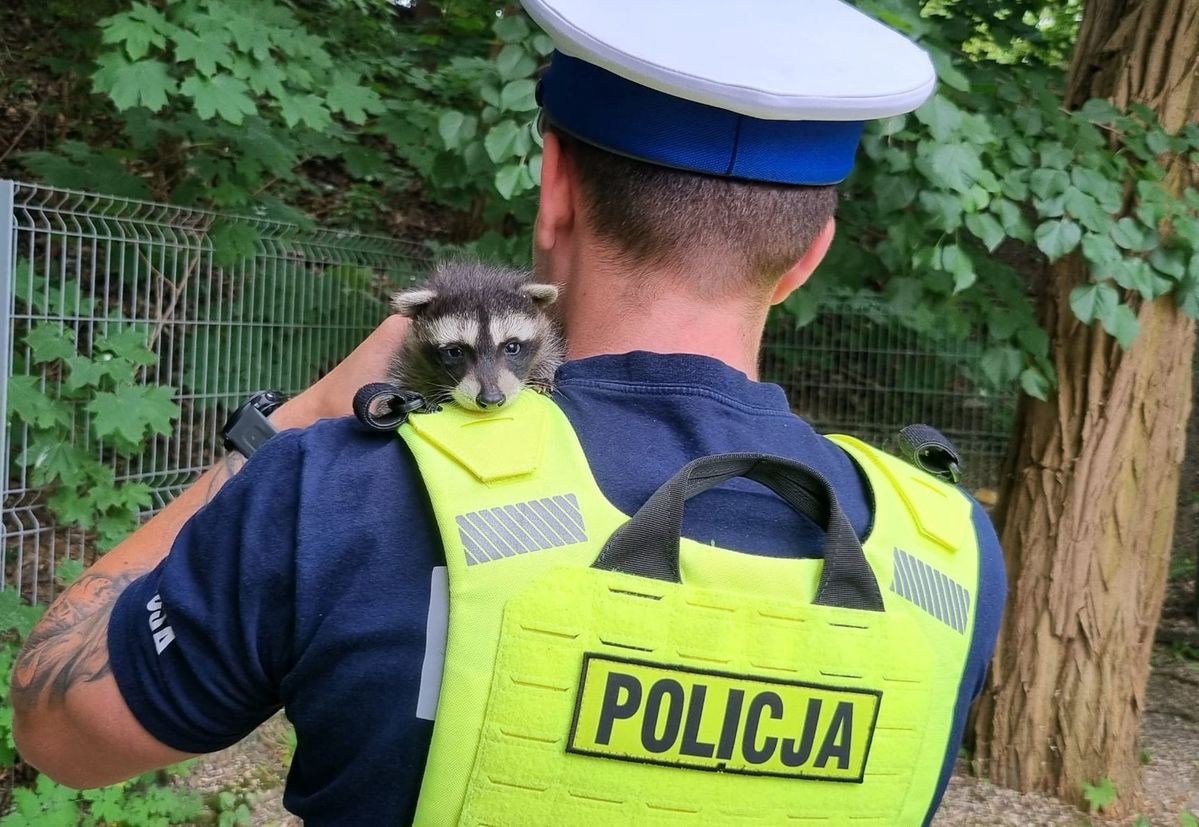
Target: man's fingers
{"x": 333, "y": 395}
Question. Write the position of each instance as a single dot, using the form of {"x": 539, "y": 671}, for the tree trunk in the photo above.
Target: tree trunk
{"x": 1087, "y": 512}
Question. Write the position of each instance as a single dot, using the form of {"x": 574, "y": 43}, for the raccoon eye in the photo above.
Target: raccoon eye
{"x": 451, "y": 353}
{"x": 513, "y": 348}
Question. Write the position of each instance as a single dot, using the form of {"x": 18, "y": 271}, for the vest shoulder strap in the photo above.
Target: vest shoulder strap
{"x": 491, "y": 447}
{"x": 939, "y": 512}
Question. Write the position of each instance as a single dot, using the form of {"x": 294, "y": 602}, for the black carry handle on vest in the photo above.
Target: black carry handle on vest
{"x": 648, "y": 544}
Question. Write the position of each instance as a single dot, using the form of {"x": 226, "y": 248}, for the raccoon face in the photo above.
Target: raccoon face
{"x": 486, "y": 358}
{"x": 479, "y": 335}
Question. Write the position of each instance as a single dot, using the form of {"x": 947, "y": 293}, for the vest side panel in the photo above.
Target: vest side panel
{"x": 498, "y": 535}
{"x": 924, "y": 550}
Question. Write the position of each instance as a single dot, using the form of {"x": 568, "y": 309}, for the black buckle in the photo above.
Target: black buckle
{"x": 931, "y": 451}
{"x": 383, "y": 407}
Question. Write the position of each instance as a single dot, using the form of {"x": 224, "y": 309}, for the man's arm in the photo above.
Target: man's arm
{"x": 69, "y": 717}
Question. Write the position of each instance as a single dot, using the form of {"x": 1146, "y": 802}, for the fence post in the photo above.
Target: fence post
{"x": 8, "y": 232}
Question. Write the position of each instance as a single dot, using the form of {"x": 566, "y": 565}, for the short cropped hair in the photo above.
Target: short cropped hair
{"x": 749, "y": 232}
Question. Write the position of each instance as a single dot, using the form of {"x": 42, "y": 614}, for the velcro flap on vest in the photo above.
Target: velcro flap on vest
{"x": 492, "y": 446}
{"x": 938, "y": 510}
{"x": 620, "y": 700}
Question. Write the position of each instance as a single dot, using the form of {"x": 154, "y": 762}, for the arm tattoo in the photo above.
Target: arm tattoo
{"x": 70, "y": 644}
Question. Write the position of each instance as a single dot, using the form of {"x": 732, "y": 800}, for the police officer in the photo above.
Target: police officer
{"x": 730, "y": 653}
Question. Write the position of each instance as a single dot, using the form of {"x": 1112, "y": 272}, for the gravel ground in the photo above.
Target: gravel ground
{"x": 1170, "y": 736}
{"x": 256, "y": 767}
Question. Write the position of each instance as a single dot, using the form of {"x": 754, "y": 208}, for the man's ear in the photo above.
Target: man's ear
{"x": 803, "y": 269}
{"x": 410, "y": 302}
{"x": 541, "y": 294}
{"x": 555, "y": 204}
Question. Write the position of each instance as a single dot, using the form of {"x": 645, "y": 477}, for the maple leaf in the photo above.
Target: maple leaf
{"x": 84, "y": 372}
{"x": 157, "y": 408}
{"x": 127, "y": 412}
{"x": 27, "y": 401}
{"x": 205, "y": 52}
{"x": 128, "y": 342}
{"x": 139, "y": 28}
{"x": 264, "y": 77}
{"x": 146, "y": 82}
{"x": 306, "y": 108}
{"x": 222, "y": 95}
{"x": 50, "y": 343}
{"x": 114, "y": 414}
{"x": 346, "y": 96}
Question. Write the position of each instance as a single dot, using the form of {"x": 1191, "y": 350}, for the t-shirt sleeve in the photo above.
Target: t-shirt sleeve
{"x": 200, "y": 644}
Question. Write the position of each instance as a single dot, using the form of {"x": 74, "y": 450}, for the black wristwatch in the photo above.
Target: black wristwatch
{"x": 248, "y": 427}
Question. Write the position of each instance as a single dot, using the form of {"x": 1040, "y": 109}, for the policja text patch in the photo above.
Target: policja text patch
{"x": 634, "y": 710}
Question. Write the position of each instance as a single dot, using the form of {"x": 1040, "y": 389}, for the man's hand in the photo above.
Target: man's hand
{"x": 69, "y": 718}
{"x": 333, "y": 395}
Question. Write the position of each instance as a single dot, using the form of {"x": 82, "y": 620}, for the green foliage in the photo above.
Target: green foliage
{"x": 953, "y": 211}
{"x": 336, "y": 106}
{"x": 1099, "y": 795}
{"x": 90, "y": 395}
{"x": 140, "y": 802}
{"x": 1188, "y": 819}
{"x": 234, "y": 809}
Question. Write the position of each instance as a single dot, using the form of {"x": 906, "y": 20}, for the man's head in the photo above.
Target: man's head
{"x": 692, "y": 153}
{"x": 712, "y": 237}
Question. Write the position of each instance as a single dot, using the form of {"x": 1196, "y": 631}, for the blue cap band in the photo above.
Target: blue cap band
{"x": 627, "y": 118}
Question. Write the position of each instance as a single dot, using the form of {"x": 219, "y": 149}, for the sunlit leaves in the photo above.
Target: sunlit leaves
{"x": 1056, "y": 238}
{"x": 1093, "y": 301}
{"x": 518, "y": 96}
{"x": 987, "y": 228}
{"x": 941, "y": 116}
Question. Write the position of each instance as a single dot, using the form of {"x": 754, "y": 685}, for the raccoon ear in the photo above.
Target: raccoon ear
{"x": 541, "y": 294}
{"x": 410, "y": 302}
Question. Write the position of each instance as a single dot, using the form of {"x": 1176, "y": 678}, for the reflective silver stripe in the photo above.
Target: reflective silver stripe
{"x": 932, "y": 590}
{"x": 564, "y": 519}
{"x": 522, "y": 539}
{"x": 490, "y": 552}
{"x": 526, "y": 525}
{"x": 505, "y": 531}
{"x": 470, "y": 542}
{"x": 569, "y": 506}
{"x": 511, "y": 544}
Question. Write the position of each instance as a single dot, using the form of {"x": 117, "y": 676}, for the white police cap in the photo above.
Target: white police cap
{"x": 769, "y": 90}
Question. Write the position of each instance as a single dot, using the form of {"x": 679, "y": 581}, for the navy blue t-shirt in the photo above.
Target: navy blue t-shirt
{"x": 305, "y": 584}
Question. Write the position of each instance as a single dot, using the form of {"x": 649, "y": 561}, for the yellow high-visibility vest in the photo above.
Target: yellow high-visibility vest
{"x": 578, "y": 695}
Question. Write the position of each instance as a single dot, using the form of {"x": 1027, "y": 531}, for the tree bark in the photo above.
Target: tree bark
{"x": 1087, "y": 512}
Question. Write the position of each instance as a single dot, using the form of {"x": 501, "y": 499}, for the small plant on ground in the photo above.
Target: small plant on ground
{"x": 1100, "y": 795}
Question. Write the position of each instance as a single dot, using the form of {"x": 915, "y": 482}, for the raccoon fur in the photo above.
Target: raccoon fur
{"x": 480, "y": 335}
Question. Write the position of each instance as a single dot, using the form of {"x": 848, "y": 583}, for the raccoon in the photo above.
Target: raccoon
{"x": 480, "y": 335}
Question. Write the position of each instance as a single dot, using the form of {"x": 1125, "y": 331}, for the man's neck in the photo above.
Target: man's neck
{"x": 604, "y": 312}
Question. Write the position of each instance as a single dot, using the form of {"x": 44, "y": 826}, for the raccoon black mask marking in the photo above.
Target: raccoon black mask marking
{"x": 480, "y": 335}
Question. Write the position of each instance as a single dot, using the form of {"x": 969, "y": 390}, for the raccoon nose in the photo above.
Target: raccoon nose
{"x": 490, "y": 399}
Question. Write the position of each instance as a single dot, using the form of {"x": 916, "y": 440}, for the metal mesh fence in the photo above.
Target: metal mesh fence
{"x": 857, "y": 370}
{"x": 288, "y": 305}
{"x": 294, "y": 301}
